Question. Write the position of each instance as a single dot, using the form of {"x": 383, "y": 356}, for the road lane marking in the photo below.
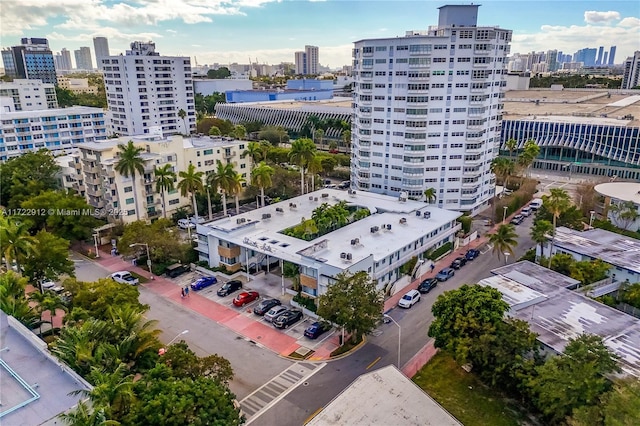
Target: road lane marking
{"x": 373, "y": 363}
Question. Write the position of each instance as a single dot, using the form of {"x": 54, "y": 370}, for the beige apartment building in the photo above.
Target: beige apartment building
{"x": 77, "y": 85}
{"x": 91, "y": 172}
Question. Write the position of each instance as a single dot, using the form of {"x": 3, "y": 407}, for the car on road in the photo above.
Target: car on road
{"x": 427, "y": 285}
{"x": 185, "y": 224}
{"x": 229, "y": 287}
{"x": 176, "y": 270}
{"x": 517, "y": 219}
{"x": 245, "y": 297}
{"x": 445, "y": 274}
{"x": 124, "y": 277}
{"x": 287, "y": 318}
{"x": 409, "y": 299}
{"x": 526, "y": 212}
{"x": 472, "y": 254}
{"x": 203, "y": 282}
{"x": 274, "y": 313}
{"x": 458, "y": 262}
{"x": 265, "y": 306}
{"x": 317, "y": 329}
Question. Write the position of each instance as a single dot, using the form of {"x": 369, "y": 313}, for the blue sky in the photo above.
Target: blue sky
{"x": 271, "y": 31}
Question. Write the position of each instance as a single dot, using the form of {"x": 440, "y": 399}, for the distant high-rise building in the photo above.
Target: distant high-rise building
{"x": 612, "y": 55}
{"x": 63, "y": 60}
{"x": 83, "y": 58}
{"x": 301, "y": 63}
{"x": 600, "y": 54}
{"x": 31, "y": 60}
{"x": 631, "y": 76}
{"x": 586, "y": 56}
{"x": 438, "y": 125}
{"x": 551, "y": 58}
{"x": 100, "y": 48}
{"x": 311, "y": 53}
{"x": 606, "y": 57}
{"x": 154, "y": 90}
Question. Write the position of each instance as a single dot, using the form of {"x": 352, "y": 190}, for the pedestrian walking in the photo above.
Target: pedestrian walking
{"x": 182, "y": 292}
{"x": 186, "y": 291}
{"x": 432, "y": 266}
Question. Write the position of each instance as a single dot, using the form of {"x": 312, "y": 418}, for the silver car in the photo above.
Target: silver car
{"x": 274, "y": 313}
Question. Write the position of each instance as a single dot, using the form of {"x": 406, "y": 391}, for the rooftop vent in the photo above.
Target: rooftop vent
{"x": 388, "y": 227}
{"x": 241, "y": 220}
{"x": 355, "y": 241}
{"x": 403, "y": 220}
{"x": 418, "y": 213}
{"x": 427, "y": 215}
{"x": 352, "y": 192}
{"x": 374, "y": 229}
{"x": 266, "y": 216}
{"x": 279, "y": 210}
{"x": 325, "y": 195}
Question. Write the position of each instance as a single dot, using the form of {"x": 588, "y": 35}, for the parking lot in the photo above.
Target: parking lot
{"x": 267, "y": 286}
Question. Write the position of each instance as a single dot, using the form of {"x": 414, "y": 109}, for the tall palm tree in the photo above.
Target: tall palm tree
{"x": 504, "y": 240}
{"x": 112, "y": 392}
{"x": 52, "y": 302}
{"x": 129, "y": 163}
{"x": 15, "y": 242}
{"x": 191, "y": 183}
{"x": 502, "y": 167}
{"x": 318, "y": 135}
{"x": 255, "y": 151}
{"x": 346, "y": 138}
{"x": 235, "y": 188}
{"x": 511, "y": 146}
{"x": 182, "y": 114}
{"x": 313, "y": 168}
{"x": 222, "y": 179}
{"x": 261, "y": 177}
{"x": 430, "y": 195}
{"x": 540, "y": 231}
{"x": 165, "y": 178}
{"x": 528, "y": 156}
{"x": 302, "y": 152}
{"x": 556, "y": 203}
{"x": 83, "y": 415}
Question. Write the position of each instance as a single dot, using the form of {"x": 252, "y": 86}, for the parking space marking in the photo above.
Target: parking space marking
{"x": 277, "y": 388}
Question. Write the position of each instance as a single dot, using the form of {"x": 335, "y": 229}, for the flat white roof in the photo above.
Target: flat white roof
{"x": 625, "y": 191}
{"x": 383, "y": 397}
{"x": 250, "y": 229}
{"x": 572, "y": 119}
{"x": 516, "y": 295}
{"x": 52, "y": 112}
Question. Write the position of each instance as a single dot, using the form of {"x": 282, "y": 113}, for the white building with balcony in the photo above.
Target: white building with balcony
{"x": 146, "y": 90}
{"x": 428, "y": 110}
{"x": 29, "y": 95}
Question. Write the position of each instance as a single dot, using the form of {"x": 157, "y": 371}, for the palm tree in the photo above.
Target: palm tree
{"x": 302, "y": 152}
{"x": 504, "y": 240}
{"x": 15, "y": 242}
{"x": 346, "y": 138}
{"x": 129, "y": 163}
{"x": 255, "y": 151}
{"x": 502, "y": 167}
{"x": 235, "y": 188}
{"x": 222, "y": 180}
{"x": 191, "y": 183}
{"x": 182, "y": 114}
{"x": 318, "y": 135}
{"x": 84, "y": 415}
{"x": 430, "y": 195}
{"x": 165, "y": 178}
{"x": 624, "y": 213}
{"x": 313, "y": 168}
{"x": 539, "y": 233}
{"x": 556, "y": 203}
{"x": 261, "y": 177}
{"x": 529, "y": 155}
{"x": 52, "y": 302}
{"x": 112, "y": 391}
{"x": 511, "y": 146}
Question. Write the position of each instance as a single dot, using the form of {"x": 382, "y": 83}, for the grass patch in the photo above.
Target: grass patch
{"x": 296, "y": 355}
{"x": 465, "y": 396}
{"x": 348, "y": 345}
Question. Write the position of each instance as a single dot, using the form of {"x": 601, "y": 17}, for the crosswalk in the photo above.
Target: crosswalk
{"x": 277, "y": 388}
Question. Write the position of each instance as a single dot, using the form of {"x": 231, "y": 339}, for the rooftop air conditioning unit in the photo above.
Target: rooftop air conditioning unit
{"x": 388, "y": 227}
{"x": 343, "y": 255}
{"x": 325, "y": 195}
{"x": 311, "y": 198}
{"x": 427, "y": 215}
{"x": 418, "y": 213}
{"x": 353, "y": 242}
{"x": 266, "y": 216}
{"x": 315, "y": 198}
{"x": 279, "y": 210}
{"x": 402, "y": 199}
{"x": 403, "y": 220}
{"x": 349, "y": 256}
{"x": 241, "y": 220}
{"x": 352, "y": 192}
{"x": 293, "y": 206}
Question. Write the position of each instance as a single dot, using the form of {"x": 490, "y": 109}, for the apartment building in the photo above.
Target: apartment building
{"x": 307, "y": 61}
{"x": 62, "y": 60}
{"x": 146, "y": 90}
{"x": 32, "y": 59}
{"x": 77, "y": 85}
{"x": 428, "y": 110}
{"x": 83, "y": 58}
{"x": 91, "y": 172}
{"x": 29, "y": 95}
{"x": 100, "y": 49}
{"x": 631, "y": 76}
{"x": 59, "y": 130}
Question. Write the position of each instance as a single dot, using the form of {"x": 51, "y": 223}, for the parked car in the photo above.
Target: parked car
{"x": 317, "y": 329}
{"x": 245, "y": 297}
{"x": 177, "y": 269}
{"x": 535, "y": 204}
{"x": 472, "y": 254}
{"x": 203, "y": 282}
{"x": 185, "y": 224}
{"x": 517, "y": 219}
{"x": 344, "y": 184}
{"x": 458, "y": 262}
{"x": 198, "y": 220}
{"x": 526, "y": 212}
{"x": 229, "y": 287}
{"x": 427, "y": 285}
{"x": 274, "y": 313}
{"x": 265, "y": 306}
{"x": 47, "y": 284}
{"x": 409, "y": 299}
{"x": 287, "y": 318}
{"x": 445, "y": 274}
{"x": 124, "y": 277}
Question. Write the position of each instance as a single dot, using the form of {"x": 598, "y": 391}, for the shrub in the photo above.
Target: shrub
{"x": 440, "y": 251}
{"x": 407, "y": 268}
{"x": 307, "y": 302}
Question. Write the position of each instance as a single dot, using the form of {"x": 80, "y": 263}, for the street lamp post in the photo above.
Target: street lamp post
{"x": 183, "y": 332}
{"x": 593, "y": 214}
{"x": 399, "y": 336}
{"x": 506, "y": 257}
{"x": 504, "y": 215}
{"x": 148, "y": 256}
{"x": 95, "y": 241}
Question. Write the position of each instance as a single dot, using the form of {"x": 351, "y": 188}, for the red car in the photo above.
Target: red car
{"x": 245, "y": 297}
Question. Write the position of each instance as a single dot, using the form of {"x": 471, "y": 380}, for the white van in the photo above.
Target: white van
{"x": 526, "y": 212}
{"x": 535, "y": 204}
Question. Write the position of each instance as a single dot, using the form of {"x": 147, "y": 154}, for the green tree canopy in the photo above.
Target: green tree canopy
{"x": 504, "y": 240}
{"x": 275, "y": 135}
{"x": 220, "y": 73}
{"x": 352, "y": 302}
{"x": 94, "y": 298}
{"x": 160, "y": 235}
{"x": 27, "y": 175}
{"x": 185, "y": 363}
{"x": 49, "y": 258}
{"x": 13, "y": 300}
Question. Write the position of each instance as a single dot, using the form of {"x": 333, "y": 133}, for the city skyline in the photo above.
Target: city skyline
{"x": 271, "y": 32}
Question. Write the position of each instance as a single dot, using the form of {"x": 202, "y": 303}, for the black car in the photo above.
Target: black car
{"x": 264, "y": 306}
{"x": 177, "y": 269}
{"x": 316, "y": 329}
{"x": 229, "y": 287}
{"x": 287, "y": 318}
{"x": 458, "y": 262}
{"x": 427, "y": 285}
{"x": 472, "y": 254}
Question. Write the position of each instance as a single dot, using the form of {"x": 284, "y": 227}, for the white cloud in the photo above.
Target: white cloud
{"x": 630, "y": 22}
{"x": 594, "y": 17}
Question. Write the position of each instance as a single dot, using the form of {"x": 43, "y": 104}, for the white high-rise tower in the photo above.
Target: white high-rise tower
{"x": 100, "y": 48}
{"x": 428, "y": 110}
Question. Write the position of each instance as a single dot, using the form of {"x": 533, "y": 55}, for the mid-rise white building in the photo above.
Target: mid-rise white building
{"x": 146, "y": 90}
{"x": 631, "y": 76}
{"x": 29, "y": 95}
{"x": 58, "y": 130}
{"x": 428, "y": 110}
{"x": 307, "y": 62}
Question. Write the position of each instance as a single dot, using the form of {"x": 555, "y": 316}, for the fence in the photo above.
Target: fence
{"x": 628, "y": 309}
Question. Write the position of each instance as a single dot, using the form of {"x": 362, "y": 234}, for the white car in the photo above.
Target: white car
{"x": 195, "y": 221}
{"x": 185, "y": 224}
{"x": 409, "y": 299}
{"x": 124, "y": 277}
